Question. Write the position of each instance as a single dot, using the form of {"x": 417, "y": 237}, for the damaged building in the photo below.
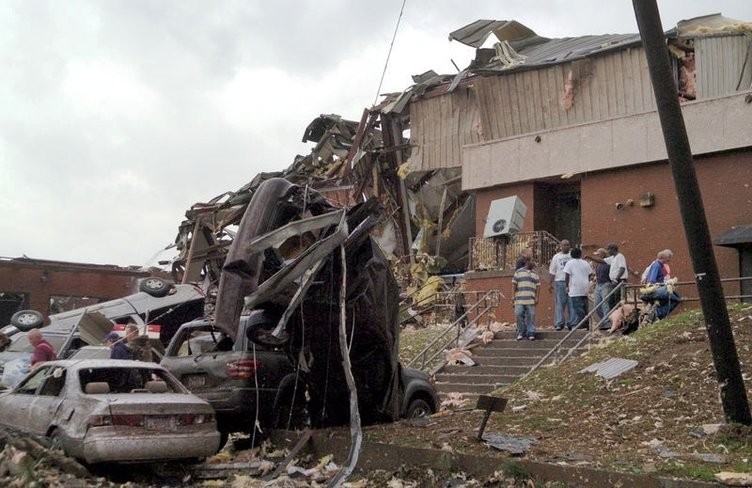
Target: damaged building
{"x": 566, "y": 128}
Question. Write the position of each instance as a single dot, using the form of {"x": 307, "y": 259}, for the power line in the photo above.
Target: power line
{"x": 389, "y": 54}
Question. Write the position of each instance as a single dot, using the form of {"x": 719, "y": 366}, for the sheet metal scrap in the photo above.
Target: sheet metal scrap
{"x": 282, "y": 261}
{"x": 516, "y": 446}
{"x": 611, "y": 368}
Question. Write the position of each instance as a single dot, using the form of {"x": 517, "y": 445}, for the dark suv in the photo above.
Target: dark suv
{"x": 235, "y": 375}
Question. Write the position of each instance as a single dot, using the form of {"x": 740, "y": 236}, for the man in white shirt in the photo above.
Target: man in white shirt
{"x": 618, "y": 270}
{"x": 556, "y": 268}
{"x": 578, "y": 272}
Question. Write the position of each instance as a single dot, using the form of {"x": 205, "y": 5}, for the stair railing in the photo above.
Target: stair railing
{"x": 582, "y": 324}
{"x": 481, "y": 307}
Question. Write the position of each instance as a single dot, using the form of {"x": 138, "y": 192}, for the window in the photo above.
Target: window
{"x": 29, "y": 387}
{"x": 55, "y": 381}
{"x": 127, "y": 380}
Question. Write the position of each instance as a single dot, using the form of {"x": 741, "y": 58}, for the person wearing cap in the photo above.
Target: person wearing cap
{"x": 618, "y": 271}
{"x": 603, "y": 287}
{"x": 118, "y": 348}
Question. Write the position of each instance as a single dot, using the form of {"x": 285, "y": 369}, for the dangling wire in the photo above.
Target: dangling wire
{"x": 389, "y": 54}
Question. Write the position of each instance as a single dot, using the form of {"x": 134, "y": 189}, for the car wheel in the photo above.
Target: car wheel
{"x": 289, "y": 415}
{"x": 418, "y": 408}
{"x": 156, "y": 287}
{"x": 25, "y": 320}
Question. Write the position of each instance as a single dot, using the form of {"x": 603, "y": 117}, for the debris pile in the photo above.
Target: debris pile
{"x": 26, "y": 461}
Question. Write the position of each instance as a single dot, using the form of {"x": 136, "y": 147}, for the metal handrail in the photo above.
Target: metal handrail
{"x": 493, "y": 296}
{"x": 558, "y": 345}
{"x": 625, "y": 286}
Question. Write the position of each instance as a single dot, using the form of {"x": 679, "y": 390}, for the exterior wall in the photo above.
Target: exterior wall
{"x": 609, "y": 144}
{"x": 440, "y": 126}
{"x": 605, "y": 87}
{"x": 41, "y": 280}
{"x": 719, "y": 61}
{"x": 726, "y": 186}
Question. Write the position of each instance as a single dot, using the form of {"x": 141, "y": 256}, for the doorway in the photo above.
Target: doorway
{"x": 558, "y": 211}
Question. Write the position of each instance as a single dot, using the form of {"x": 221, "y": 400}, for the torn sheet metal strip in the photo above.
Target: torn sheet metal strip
{"x": 278, "y": 236}
{"x": 281, "y": 279}
{"x": 305, "y": 283}
{"x": 356, "y": 432}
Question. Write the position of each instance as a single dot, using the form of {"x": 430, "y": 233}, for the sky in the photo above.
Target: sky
{"x": 117, "y": 115}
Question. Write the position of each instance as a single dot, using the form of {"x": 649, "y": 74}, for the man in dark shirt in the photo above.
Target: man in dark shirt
{"x": 118, "y": 349}
{"x": 603, "y": 286}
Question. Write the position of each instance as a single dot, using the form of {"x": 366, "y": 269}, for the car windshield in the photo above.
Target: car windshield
{"x": 127, "y": 380}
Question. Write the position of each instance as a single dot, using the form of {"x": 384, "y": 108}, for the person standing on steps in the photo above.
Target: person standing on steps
{"x": 603, "y": 287}
{"x": 525, "y": 287}
{"x": 559, "y": 286}
{"x": 577, "y": 277}
{"x": 617, "y": 271}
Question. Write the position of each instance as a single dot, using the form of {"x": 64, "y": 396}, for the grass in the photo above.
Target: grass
{"x": 626, "y": 423}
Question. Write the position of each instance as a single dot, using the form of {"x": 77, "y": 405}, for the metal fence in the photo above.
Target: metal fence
{"x": 501, "y": 253}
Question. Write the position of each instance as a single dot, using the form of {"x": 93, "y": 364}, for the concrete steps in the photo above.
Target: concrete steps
{"x": 499, "y": 363}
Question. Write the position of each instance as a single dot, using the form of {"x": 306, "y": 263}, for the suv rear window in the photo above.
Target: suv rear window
{"x": 198, "y": 341}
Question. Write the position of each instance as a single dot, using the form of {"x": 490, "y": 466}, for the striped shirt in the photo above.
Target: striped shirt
{"x": 527, "y": 282}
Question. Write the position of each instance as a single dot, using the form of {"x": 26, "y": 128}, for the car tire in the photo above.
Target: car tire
{"x": 25, "y": 320}
{"x": 156, "y": 287}
{"x": 418, "y": 408}
{"x": 287, "y": 420}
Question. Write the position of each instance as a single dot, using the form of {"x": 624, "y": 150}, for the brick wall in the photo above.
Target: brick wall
{"x": 726, "y": 186}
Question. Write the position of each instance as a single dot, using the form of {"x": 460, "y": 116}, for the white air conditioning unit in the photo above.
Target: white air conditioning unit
{"x": 505, "y": 216}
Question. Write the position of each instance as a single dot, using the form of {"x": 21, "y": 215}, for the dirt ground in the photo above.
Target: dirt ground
{"x": 655, "y": 418}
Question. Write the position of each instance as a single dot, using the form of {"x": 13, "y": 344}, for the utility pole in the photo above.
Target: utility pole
{"x": 717, "y": 323}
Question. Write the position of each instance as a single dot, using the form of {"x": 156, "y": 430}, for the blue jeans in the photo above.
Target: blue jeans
{"x": 525, "y": 315}
{"x": 601, "y": 291}
{"x": 562, "y": 303}
{"x": 665, "y": 301}
{"x": 578, "y": 311}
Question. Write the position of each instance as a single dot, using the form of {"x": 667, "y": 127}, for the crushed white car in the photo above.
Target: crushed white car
{"x": 112, "y": 411}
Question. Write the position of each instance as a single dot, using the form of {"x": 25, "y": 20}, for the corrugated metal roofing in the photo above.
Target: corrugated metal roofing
{"x": 476, "y": 33}
{"x": 554, "y": 51}
{"x": 540, "y": 51}
{"x": 611, "y": 368}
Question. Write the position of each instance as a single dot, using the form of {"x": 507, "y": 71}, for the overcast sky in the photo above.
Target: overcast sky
{"x": 117, "y": 116}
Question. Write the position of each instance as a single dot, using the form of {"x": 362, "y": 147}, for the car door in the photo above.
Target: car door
{"x": 47, "y": 401}
{"x": 15, "y": 406}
